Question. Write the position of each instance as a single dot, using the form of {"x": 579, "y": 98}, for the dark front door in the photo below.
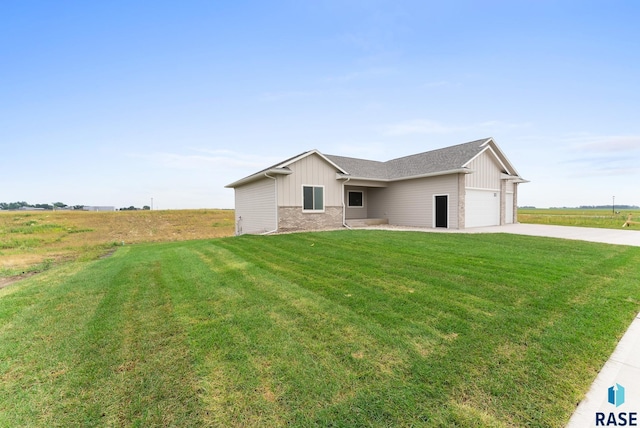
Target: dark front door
{"x": 442, "y": 203}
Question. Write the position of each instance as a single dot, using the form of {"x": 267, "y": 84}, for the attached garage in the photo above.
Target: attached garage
{"x": 482, "y": 208}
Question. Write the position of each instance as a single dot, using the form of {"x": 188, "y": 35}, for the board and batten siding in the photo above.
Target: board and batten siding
{"x": 310, "y": 170}
{"x": 256, "y": 210}
{"x": 411, "y": 202}
{"x": 486, "y": 173}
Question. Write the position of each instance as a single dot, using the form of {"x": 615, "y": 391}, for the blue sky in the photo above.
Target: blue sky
{"x": 118, "y": 102}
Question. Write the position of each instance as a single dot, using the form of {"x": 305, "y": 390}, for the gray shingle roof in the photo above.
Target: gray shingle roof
{"x": 361, "y": 167}
{"x": 448, "y": 159}
{"x": 434, "y": 161}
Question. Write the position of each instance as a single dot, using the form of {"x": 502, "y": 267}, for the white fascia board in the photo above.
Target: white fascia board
{"x": 413, "y": 177}
{"x": 487, "y": 141}
{"x": 513, "y": 169}
{"x": 260, "y": 175}
{"x": 474, "y": 158}
{"x": 309, "y": 153}
{"x": 340, "y": 176}
{"x": 496, "y": 149}
{"x": 514, "y": 178}
{"x": 435, "y": 174}
{"x": 495, "y": 155}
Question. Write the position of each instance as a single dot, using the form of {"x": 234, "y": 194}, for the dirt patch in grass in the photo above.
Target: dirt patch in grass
{"x": 7, "y": 281}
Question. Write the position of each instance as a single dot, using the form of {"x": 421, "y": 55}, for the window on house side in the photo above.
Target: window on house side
{"x": 312, "y": 198}
{"x": 355, "y": 199}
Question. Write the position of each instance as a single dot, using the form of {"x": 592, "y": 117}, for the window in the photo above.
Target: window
{"x": 312, "y": 198}
{"x": 356, "y": 199}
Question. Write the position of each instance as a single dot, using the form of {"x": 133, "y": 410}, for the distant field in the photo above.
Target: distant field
{"x": 344, "y": 329}
{"x": 33, "y": 241}
{"x": 579, "y": 217}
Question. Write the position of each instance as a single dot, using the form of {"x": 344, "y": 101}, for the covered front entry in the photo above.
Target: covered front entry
{"x": 441, "y": 211}
{"x": 363, "y": 204}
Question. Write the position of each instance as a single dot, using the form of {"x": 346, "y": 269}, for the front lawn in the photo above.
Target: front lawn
{"x": 345, "y": 328}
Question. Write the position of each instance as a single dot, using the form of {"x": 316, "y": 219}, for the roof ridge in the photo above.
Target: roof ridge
{"x": 415, "y": 154}
{"x": 441, "y": 149}
{"x": 440, "y": 159}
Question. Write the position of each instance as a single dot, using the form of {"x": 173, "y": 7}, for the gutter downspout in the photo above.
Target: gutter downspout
{"x": 344, "y": 207}
{"x": 275, "y": 184}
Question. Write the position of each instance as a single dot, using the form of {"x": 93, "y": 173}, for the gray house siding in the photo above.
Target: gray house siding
{"x": 309, "y": 171}
{"x": 356, "y": 212}
{"x": 256, "y": 207}
{"x": 411, "y": 202}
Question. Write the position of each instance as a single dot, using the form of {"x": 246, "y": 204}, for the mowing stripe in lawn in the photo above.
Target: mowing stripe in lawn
{"x": 345, "y": 328}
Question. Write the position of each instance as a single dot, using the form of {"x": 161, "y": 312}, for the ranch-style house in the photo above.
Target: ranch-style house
{"x": 462, "y": 186}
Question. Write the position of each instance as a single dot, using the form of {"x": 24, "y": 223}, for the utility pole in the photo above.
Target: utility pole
{"x": 613, "y": 206}
{"x": 151, "y": 204}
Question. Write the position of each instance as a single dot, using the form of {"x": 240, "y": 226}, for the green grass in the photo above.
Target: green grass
{"x": 345, "y": 328}
{"x": 606, "y": 219}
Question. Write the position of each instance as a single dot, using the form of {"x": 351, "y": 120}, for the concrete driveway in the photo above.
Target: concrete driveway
{"x": 607, "y": 236}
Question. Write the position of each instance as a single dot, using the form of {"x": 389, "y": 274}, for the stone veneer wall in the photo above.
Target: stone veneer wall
{"x": 503, "y": 202}
{"x": 292, "y": 218}
{"x": 461, "y": 201}
{"x": 515, "y": 203}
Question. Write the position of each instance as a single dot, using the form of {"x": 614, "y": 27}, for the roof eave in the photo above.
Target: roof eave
{"x": 435, "y": 174}
{"x": 309, "y": 153}
{"x": 514, "y": 178}
{"x": 412, "y": 177}
{"x": 259, "y": 175}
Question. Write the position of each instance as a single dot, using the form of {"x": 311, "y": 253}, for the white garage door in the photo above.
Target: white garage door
{"x": 482, "y": 208}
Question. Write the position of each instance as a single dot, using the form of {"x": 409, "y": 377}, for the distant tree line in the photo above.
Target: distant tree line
{"x": 22, "y": 204}
{"x": 589, "y": 207}
{"x": 55, "y": 205}
{"x": 132, "y": 208}
{"x": 600, "y": 207}
{"x": 604, "y": 207}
